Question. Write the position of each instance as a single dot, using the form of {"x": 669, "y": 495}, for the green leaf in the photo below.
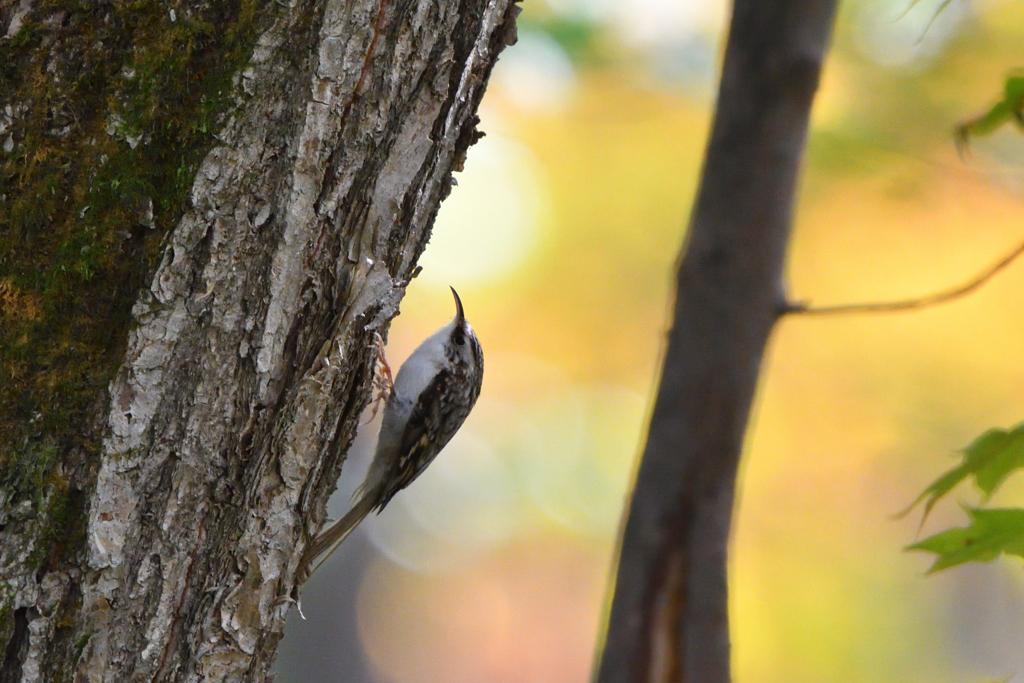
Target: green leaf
{"x": 1013, "y": 91}
{"x": 987, "y": 123}
{"x": 997, "y": 454}
{"x": 991, "y": 533}
{"x": 990, "y": 459}
{"x": 1010, "y": 108}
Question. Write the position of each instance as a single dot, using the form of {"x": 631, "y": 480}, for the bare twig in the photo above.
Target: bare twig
{"x": 911, "y": 304}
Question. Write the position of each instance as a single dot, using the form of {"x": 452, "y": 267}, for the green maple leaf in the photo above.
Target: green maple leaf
{"x": 992, "y": 533}
{"x": 1010, "y": 108}
{"x": 990, "y": 459}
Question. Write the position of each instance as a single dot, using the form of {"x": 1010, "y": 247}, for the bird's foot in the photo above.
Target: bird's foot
{"x": 294, "y": 598}
{"x": 383, "y": 381}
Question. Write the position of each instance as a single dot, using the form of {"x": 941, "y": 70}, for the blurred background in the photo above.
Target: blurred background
{"x": 561, "y": 238}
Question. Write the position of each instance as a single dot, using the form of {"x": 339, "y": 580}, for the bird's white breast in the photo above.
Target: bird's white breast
{"x": 419, "y": 370}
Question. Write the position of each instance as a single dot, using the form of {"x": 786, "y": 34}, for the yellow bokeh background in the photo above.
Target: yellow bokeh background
{"x": 561, "y": 239}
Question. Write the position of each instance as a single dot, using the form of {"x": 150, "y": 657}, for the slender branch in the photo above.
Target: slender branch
{"x": 911, "y": 304}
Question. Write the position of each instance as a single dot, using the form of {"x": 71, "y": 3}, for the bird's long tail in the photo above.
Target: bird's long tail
{"x": 328, "y": 540}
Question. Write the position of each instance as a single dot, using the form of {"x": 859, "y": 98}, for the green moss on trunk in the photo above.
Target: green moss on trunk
{"x": 109, "y": 109}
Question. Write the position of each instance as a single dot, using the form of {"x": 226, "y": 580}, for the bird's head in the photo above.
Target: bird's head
{"x": 462, "y": 347}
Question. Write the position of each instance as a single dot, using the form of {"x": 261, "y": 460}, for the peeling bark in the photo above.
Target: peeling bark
{"x": 669, "y": 617}
{"x": 249, "y": 359}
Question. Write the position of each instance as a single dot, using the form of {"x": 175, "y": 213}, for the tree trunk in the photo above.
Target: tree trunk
{"x": 669, "y": 616}
{"x": 268, "y": 174}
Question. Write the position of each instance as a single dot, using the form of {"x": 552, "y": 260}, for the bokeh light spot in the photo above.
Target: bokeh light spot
{"x": 491, "y": 222}
{"x": 538, "y": 75}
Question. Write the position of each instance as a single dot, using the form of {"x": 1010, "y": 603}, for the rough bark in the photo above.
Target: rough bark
{"x": 669, "y": 616}
{"x": 158, "y": 539}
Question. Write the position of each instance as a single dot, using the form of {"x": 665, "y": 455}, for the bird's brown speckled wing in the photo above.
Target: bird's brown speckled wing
{"x": 424, "y": 437}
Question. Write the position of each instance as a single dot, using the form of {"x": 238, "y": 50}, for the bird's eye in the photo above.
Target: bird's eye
{"x": 459, "y": 339}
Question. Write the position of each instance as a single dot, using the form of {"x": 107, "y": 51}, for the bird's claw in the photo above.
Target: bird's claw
{"x": 293, "y": 599}
{"x": 383, "y": 382}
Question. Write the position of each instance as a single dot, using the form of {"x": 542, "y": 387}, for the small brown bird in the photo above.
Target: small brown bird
{"x": 432, "y": 395}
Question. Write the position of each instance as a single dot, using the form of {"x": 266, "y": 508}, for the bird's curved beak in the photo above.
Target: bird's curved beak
{"x": 459, "y": 314}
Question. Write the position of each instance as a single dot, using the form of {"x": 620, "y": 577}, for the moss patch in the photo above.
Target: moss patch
{"x": 112, "y": 107}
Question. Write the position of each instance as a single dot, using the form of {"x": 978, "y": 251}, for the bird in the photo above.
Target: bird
{"x": 433, "y": 393}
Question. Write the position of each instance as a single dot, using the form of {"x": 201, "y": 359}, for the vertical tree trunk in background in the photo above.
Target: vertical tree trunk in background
{"x": 267, "y": 173}
{"x": 669, "y": 616}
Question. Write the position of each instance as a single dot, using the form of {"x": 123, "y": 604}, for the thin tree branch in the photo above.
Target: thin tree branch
{"x": 911, "y": 304}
